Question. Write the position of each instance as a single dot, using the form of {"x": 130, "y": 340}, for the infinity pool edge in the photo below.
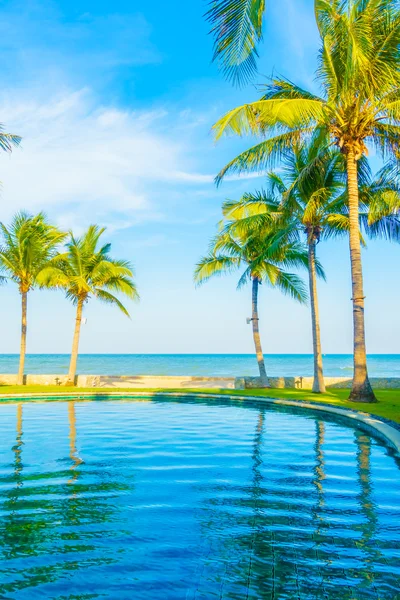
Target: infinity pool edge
{"x": 386, "y": 429}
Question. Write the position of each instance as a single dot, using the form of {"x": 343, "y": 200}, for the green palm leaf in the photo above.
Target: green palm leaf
{"x": 86, "y": 269}
{"x": 212, "y": 265}
{"x": 237, "y": 29}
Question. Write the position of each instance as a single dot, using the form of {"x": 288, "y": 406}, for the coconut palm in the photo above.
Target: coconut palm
{"x": 265, "y": 257}
{"x": 27, "y": 246}
{"x": 359, "y": 72}
{"x": 308, "y": 197}
{"x": 305, "y": 198}
{"x": 85, "y": 270}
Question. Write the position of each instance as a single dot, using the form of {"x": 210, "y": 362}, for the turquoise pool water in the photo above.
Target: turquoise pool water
{"x": 193, "y": 501}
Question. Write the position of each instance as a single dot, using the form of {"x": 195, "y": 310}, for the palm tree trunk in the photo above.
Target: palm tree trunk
{"x": 24, "y": 302}
{"x": 318, "y": 383}
{"x": 75, "y": 343}
{"x": 256, "y": 333}
{"x": 361, "y": 389}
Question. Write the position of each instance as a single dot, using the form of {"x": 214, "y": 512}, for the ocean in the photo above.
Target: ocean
{"x": 222, "y": 365}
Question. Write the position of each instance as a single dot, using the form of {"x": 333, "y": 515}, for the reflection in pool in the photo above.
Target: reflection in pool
{"x": 193, "y": 501}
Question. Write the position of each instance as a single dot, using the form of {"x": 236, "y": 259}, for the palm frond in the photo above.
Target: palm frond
{"x": 255, "y": 118}
{"x": 283, "y": 89}
{"x": 293, "y": 286}
{"x": 244, "y": 279}
{"x": 263, "y": 156}
{"x": 121, "y": 284}
{"x": 8, "y": 140}
{"x": 108, "y": 298}
{"x": 236, "y": 29}
{"x": 212, "y": 265}
{"x": 28, "y": 246}
{"x": 86, "y": 269}
{"x": 387, "y": 227}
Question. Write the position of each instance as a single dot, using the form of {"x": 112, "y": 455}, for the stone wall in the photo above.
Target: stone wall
{"x": 155, "y": 382}
{"x": 242, "y": 383}
{"x": 126, "y": 381}
{"x": 8, "y": 379}
{"x": 182, "y": 382}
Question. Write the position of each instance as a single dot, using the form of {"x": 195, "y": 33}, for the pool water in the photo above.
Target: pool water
{"x": 196, "y": 500}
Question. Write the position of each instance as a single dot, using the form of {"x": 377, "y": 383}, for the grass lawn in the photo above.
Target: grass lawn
{"x": 388, "y": 404}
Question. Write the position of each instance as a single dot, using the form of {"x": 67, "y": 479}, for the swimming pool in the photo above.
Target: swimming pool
{"x": 193, "y": 500}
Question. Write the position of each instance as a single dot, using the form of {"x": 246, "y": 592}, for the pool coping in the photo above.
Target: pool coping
{"x": 386, "y": 429}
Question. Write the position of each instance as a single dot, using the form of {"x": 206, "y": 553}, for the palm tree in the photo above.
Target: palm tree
{"x": 28, "y": 245}
{"x": 305, "y": 197}
{"x": 359, "y": 72}
{"x": 265, "y": 256}
{"x": 85, "y": 270}
{"x": 308, "y": 197}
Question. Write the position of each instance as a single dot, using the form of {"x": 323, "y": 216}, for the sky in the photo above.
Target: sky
{"x": 115, "y": 102}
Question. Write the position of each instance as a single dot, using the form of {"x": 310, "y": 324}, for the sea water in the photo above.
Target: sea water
{"x": 219, "y": 365}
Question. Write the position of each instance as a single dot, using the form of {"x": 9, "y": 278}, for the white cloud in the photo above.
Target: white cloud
{"x": 80, "y": 162}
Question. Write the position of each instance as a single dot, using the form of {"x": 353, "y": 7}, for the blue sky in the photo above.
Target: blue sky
{"x": 115, "y": 102}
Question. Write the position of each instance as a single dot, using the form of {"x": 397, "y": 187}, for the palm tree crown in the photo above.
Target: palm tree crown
{"x": 86, "y": 270}
{"x": 263, "y": 254}
{"x": 359, "y": 71}
{"x": 28, "y": 245}
{"x": 306, "y": 195}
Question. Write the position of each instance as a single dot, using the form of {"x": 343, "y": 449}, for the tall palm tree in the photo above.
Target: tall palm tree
{"x": 265, "y": 256}
{"x": 85, "y": 270}
{"x": 308, "y": 197}
{"x": 305, "y": 198}
{"x": 27, "y": 247}
{"x": 359, "y": 72}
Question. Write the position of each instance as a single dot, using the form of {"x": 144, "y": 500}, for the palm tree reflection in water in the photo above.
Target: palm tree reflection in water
{"x": 51, "y": 529}
{"x": 76, "y": 461}
{"x": 299, "y": 533}
{"x": 18, "y": 447}
{"x": 18, "y": 466}
{"x": 11, "y": 504}
{"x": 287, "y": 513}
{"x": 368, "y": 528}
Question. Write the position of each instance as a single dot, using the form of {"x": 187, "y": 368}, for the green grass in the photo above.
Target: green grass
{"x": 388, "y": 404}
{"x": 6, "y": 390}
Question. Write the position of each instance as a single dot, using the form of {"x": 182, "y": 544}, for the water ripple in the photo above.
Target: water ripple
{"x": 193, "y": 501}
